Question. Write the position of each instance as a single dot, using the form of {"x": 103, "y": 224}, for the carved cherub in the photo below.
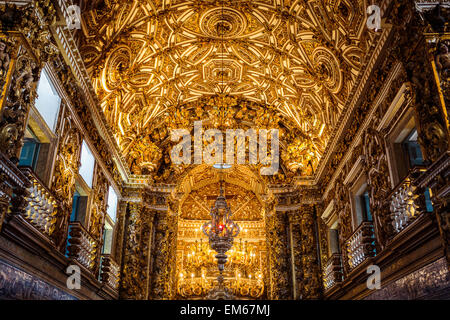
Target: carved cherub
{"x": 24, "y": 79}
{"x": 4, "y": 59}
{"x": 443, "y": 61}
{"x": 8, "y": 139}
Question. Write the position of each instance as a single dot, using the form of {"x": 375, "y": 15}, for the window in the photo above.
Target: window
{"x": 412, "y": 149}
{"x": 48, "y": 101}
{"x": 35, "y": 153}
{"x": 40, "y": 140}
{"x": 428, "y": 203}
{"x": 107, "y": 238}
{"x": 405, "y": 150}
{"x": 79, "y": 205}
{"x": 330, "y": 218}
{"x": 110, "y": 221}
{"x": 333, "y": 240}
{"x": 112, "y": 204}
{"x": 362, "y": 205}
{"x": 30, "y": 150}
{"x": 364, "y": 198}
{"x": 86, "y": 170}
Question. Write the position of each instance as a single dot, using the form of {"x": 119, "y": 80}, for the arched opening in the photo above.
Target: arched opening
{"x": 246, "y": 271}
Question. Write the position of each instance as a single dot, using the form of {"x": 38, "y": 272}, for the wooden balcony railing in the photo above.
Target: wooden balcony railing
{"x": 109, "y": 271}
{"x": 41, "y": 208}
{"x": 81, "y": 246}
{"x": 332, "y": 271}
{"x": 404, "y": 207}
{"x": 361, "y": 245}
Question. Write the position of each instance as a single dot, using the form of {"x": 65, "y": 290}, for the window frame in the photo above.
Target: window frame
{"x": 111, "y": 222}
{"x": 356, "y": 192}
{"x": 111, "y": 188}
{"x": 113, "y": 235}
{"x": 403, "y": 129}
{"x": 46, "y": 158}
{"x": 331, "y": 220}
{"x": 89, "y": 184}
{"x": 86, "y": 191}
{"x": 51, "y": 79}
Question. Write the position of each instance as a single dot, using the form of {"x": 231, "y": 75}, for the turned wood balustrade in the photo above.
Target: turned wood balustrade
{"x": 332, "y": 271}
{"x": 405, "y": 206}
{"x": 361, "y": 244}
{"x": 109, "y": 271}
{"x": 82, "y": 247}
{"x": 41, "y": 208}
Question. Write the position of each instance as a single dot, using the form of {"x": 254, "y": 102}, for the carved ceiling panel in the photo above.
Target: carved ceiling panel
{"x": 244, "y": 204}
{"x": 301, "y": 58}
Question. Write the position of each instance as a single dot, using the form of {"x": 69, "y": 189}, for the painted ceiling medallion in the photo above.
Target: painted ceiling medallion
{"x": 223, "y": 23}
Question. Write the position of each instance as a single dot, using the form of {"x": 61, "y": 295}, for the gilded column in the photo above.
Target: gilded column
{"x": 278, "y": 256}
{"x": 63, "y": 180}
{"x": 295, "y": 254}
{"x": 5, "y": 197}
{"x": 98, "y": 212}
{"x": 162, "y": 287}
{"x": 120, "y": 233}
{"x": 147, "y": 249}
{"x": 8, "y": 52}
{"x": 133, "y": 265}
{"x": 163, "y": 282}
{"x": 311, "y": 282}
{"x": 379, "y": 185}
{"x": 345, "y": 219}
{"x": 323, "y": 236}
{"x": 17, "y": 105}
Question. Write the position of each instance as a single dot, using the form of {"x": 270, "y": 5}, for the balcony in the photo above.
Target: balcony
{"x": 41, "y": 207}
{"x": 109, "y": 271}
{"x": 361, "y": 245}
{"x": 404, "y": 207}
{"x": 332, "y": 271}
{"x": 82, "y": 247}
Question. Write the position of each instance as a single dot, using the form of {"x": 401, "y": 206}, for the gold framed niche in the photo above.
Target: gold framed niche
{"x": 246, "y": 272}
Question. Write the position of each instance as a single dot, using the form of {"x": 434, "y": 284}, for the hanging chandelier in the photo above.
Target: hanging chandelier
{"x": 221, "y": 231}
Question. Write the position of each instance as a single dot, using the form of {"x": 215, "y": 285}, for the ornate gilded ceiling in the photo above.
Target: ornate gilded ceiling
{"x": 149, "y": 59}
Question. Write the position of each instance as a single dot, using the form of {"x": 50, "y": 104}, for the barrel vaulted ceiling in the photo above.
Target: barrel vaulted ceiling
{"x": 149, "y": 59}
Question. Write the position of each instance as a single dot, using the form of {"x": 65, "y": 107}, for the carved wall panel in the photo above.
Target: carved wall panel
{"x": 311, "y": 285}
{"x": 278, "y": 278}
{"x": 323, "y": 236}
{"x": 8, "y": 51}
{"x": 99, "y": 205}
{"x": 379, "y": 184}
{"x": 98, "y": 208}
{"x": 17, "y": 105}
{"x": 63, "y": 180}
{"x": 295, "y": 235}
{"x": 164, "y": 256}
{"x": 133, "y": 263}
